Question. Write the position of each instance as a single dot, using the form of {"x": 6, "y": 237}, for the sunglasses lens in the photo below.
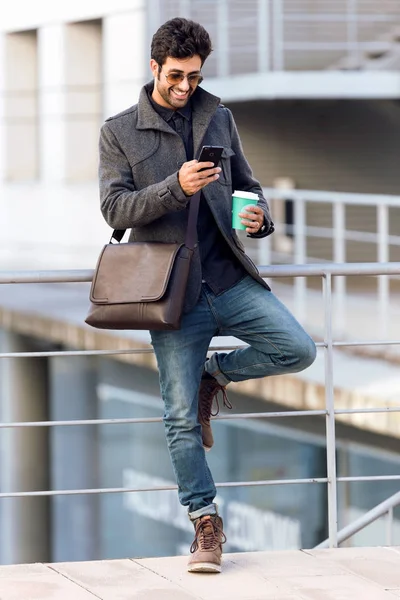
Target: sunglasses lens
{"x": 175, "y": 78}
{"x": 195, "y": 79}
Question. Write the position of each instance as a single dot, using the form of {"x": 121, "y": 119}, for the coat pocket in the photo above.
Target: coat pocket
{"x": 225, "y": 177}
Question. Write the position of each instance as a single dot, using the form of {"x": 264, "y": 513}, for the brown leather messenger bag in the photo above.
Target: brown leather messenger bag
{"x": 142, "y": 285}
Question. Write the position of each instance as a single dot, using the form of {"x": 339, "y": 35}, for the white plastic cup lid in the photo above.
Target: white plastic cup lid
{"x": 248, "y": 195}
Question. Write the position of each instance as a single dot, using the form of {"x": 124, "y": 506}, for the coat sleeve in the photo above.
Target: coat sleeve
{"x": 121, "y": 204}
{"x": 243, "y": 179}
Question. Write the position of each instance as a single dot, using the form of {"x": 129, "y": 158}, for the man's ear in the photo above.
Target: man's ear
{"x": 154, "y": 67}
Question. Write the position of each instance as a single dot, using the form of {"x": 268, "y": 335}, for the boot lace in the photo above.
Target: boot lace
{"x": 209, "y": 534}
{"x": 209, "y": 393}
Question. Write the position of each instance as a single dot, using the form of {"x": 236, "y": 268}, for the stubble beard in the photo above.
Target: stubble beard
{"x": 166, "y": 95}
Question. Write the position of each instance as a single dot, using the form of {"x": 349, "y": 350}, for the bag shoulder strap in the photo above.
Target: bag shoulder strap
{"x": 191, "y": 231}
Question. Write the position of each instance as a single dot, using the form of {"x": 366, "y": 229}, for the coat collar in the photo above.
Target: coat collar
{"x": 204, "y": 106}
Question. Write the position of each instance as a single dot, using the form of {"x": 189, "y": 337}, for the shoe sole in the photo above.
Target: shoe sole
{"x": 204, "y": 568}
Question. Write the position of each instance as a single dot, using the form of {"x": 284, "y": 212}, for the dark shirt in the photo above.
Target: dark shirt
{"x": 220, "y": 267}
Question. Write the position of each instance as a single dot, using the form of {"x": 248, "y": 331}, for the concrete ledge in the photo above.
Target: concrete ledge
{"x": 339, "y": 574}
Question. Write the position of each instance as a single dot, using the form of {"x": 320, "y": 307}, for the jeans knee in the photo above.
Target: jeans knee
{"x": 179, "y": 422}
{"x": 182, "y": 434}
{"x": 306, "y": 353}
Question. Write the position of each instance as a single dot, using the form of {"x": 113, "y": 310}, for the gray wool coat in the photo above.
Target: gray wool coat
{"x": 140, "y": 156}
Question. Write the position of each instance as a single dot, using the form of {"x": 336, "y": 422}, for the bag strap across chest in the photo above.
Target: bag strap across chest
{"x": 191, "y": 229}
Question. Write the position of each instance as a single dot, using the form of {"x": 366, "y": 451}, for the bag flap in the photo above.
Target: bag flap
{"x": 133, "y": 272}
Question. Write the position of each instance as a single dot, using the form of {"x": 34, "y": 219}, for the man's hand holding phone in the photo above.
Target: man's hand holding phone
{"x": 196, "y": 174}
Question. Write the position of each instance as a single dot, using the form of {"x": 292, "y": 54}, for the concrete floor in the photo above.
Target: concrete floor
{"x": 340, "y": 574}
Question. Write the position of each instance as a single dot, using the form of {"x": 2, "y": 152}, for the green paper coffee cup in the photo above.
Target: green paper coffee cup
{"x": 239, "y": 201}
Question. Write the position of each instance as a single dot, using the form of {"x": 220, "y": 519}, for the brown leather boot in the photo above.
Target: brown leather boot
{"x": 206, "y": 550}
{"x": 208, "y": 390}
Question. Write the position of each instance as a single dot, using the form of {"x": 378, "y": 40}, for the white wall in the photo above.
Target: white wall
{"x": 60, "y": 76}
{"x": 70, "y": 92}
{"x": 125, "y": 68}
{"x": 19, "y": 127}
{"x": 31, "y": 14}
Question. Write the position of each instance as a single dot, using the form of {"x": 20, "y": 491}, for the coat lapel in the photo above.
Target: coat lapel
{"x": 204, "y": 106}
{"x": 148, "y": 118}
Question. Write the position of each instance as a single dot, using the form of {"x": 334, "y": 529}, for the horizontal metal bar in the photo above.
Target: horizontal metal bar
{"x": 174, "y": 487}
{"x": 372, "y": 478}
{"x": 161, "y": 488}
{"x": 55, "y": 276}
{"x": 63, "y": 353}
{"x": 51, "y": 353}
{"x": 55, "y": 353}
{"x": 314, "y": 46}
{"x": 306, "y": 270}
{"x": 350, "y": 235}
{"x": 272, "y": 415}
{"x": 79, "y": 423}
{"x": 368, "y": 343}
{"x": 359, "y": 411}
{"x": 224, "y": 417}
{"x": 318, "y": 270}
{"x": 341, "y": 17}
{"x": 327, "y": 197}
{"x": 272, "y": 482}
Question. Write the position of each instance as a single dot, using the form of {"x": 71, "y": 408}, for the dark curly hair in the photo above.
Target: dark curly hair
{"x": 180, "y": 38}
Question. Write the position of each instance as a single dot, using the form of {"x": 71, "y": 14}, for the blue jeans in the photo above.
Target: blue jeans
{"x": 277, "y": 345}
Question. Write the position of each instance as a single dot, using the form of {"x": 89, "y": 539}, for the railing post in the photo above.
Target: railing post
{"x": 389, "y": 527}
{"x": 383, "y": 257}
{"x": 264, "y": 35}
{"x": 330, "y": 417}
{"x": 264, "y": 251}
{"x": 339, "y": 256}
{"x": 278, "y": 36}
{"x": 223, "y": 38}
{"x": 352, "y": 29}
{"x": 300, "y": 255}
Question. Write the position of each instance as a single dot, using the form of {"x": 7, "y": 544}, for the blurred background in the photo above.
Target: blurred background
{"x": 314, "y": 86}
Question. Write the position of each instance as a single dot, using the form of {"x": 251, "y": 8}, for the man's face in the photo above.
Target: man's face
{"x": 175, "y": 95}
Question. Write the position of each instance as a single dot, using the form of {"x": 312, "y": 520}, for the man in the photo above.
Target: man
{"x": 148, "y": 173}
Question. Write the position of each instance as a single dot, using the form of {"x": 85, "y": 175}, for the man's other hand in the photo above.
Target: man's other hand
{"x": 252, "y": 218}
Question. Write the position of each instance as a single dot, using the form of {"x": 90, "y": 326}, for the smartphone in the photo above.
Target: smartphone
{"x": 211, "y": 154}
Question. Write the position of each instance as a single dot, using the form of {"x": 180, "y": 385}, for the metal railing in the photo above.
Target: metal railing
{"x": 345, "y": 29}
{"x": 384, "y": 508}
{"x": 278, "y": 35}
{"x": 326, "y": 272}
{"x": 342, "y": 236}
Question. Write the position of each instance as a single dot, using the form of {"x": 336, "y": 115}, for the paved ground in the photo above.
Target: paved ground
{"x": 344, "y": 574}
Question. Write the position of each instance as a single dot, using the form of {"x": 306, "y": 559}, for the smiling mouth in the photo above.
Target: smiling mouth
{"x": 182, "y": 96}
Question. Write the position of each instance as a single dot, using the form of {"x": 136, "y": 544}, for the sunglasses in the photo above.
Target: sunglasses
{"x": 174, "y": 78}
